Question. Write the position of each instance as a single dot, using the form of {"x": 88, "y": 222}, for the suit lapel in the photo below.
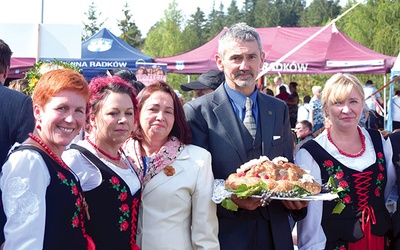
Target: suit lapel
{"x": 266, "y": 118}
{"x": 227, "y": 117}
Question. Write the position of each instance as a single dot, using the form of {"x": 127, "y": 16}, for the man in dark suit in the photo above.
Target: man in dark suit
{"x": 217, "y": 124}
{"x": 16, "y": 111}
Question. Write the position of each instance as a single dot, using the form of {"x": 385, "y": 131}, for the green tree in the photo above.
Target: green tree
{"x": 130, "y": 32}
{"x": 290, "y": 12}
{"x": 165, "y": 38}
{"x": 266, "y": 14}
{"x": 248, "y": 12}
{"x": 193, "y": 33}
{"x": 216, "y": 21}
{"x": 320, "y": 12}
{"x": 92, "y": 27}
{"x": 233, "y": 14}
{"x": 374, "y": 24}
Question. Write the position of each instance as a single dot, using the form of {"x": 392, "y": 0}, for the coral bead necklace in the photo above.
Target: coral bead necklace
{"x": 118, "y": 158}
{"x": 347, "y": 154}
{"x": 49, "y": 151}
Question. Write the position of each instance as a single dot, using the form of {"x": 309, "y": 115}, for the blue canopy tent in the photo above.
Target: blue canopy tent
{"x": 105, "y": 51}
{"x": 395, "y": 71}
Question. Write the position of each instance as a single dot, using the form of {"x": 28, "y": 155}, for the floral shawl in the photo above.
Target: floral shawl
{"x": 157, "y": 162}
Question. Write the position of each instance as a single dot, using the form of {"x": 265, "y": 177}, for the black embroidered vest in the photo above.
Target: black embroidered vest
{"x": 64, "y": 226}
{"x": 361, "y": 189}
{"x": 113, "y": 210}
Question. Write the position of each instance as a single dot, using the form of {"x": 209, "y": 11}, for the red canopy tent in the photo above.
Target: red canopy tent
{"x": 19, "y": 66}
{"x": 328, "y": 53}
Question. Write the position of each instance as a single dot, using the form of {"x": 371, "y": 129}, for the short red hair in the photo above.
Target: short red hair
{"x": 55, "y": 81}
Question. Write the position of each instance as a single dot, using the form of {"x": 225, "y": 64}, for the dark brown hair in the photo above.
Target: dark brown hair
{"x": 5, "y": 56}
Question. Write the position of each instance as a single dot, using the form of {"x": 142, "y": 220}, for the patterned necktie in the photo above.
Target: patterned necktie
{"x": 249, "y": 121}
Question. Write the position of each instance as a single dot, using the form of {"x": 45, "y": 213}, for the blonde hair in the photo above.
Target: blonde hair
{"x": 338, "y": 88}
{"x": 46, "y": 67}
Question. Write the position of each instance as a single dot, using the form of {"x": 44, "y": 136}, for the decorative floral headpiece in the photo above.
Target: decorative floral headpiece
{"x": 41, "y": 67}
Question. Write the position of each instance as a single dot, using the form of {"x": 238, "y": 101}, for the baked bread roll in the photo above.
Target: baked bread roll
{"x": 279, "y": 175}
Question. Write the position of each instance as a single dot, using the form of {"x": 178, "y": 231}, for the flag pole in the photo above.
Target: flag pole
{"x": 304, "y": 42}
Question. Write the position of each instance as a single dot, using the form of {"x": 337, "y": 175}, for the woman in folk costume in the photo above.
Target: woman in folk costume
{"x": 41, "y": 196}
{"x": 353, "y": 158}
{"x": 111, "y": 186}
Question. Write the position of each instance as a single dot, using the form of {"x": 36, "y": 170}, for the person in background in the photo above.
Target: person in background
{"x": 293, "y": 101}
{"x": 303, "y": 112}
{"x": 216, "y": 121}
{"x": 176, "y": 210}
{"x": 16, "y": 113}
{"x": 303, "y": 133}
{"x": 130, "y": 77}
{"x": 395, "y": 110}
{"x": 269, "y": 91}
{"x": 278, "y": 83}
{"x": 372, "y": 101}
{"x": 392, "y": 155}
{"x": 283, "y": 95}
{"x": 180, "y": 96}
{"x": 206, "y": 83}
{"x": 20, "y": 85}
{"x": 353, "y": 158}
{"x": 316, "y": 113}
{"x": 42, "y": 197}
{"x": 111, "y": 186}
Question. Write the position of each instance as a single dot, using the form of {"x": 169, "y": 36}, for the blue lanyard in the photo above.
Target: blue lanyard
{"x": 146, "y": 161}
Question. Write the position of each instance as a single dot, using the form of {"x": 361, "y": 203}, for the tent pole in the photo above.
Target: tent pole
{"x": 305, "y": 42}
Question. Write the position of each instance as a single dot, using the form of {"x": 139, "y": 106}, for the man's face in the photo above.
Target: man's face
{"x": 201, "y": 92}
{"x": 301, "y": 131}
{"x": 241, "y": 63}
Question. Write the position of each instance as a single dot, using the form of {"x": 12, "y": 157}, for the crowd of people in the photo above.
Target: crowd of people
{"x": 114, "y": 164}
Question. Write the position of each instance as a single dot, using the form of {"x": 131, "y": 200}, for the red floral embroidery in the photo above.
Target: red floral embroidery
{"x": 377, "y": 192}
{"x": 74, "y": 190}
{"x": 124, "y": 225}
{"x": 380, "y": 176}
{"x": 328, "y": 163}
{"x": 124, "y": 208}
{"x": 78, "y": 202}
{"x": 123, "y": 195}
{"x": 340, "y": 247}
{"x": 343, "y": 184}
{"x": 346, "y": 199}
{"x": 114, "y": 181}
{"x": 77, "y": 218}
{"x": 339, "y": 175}
{"x": 61, "y": 176}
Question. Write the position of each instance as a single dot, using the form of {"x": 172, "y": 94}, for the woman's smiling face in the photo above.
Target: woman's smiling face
{"x": 61, "y": 118}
